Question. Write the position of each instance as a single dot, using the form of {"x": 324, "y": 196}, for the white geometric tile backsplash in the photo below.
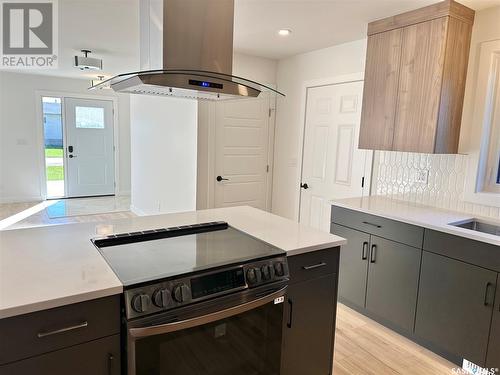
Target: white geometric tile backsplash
{"x": 395, "y": 174}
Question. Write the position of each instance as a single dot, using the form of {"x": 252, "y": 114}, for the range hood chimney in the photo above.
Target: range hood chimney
{"x": 187, "y": 51}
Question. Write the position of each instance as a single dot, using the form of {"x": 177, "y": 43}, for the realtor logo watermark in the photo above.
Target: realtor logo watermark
{"x": 29, "y": 34}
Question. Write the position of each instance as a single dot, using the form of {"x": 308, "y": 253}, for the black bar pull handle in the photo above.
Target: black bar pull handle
{"x": 373, "y": 254}
{"x": 290, "y": 313}
{"x": 313, "y": 266}
{"x": 111, "y": 359}
{"x": 373, "y": 225}
{"x": 487, "y": 294}
{"x": 364, "y": 251}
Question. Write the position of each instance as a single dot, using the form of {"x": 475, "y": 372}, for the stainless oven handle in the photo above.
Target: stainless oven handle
{"x": 204, "y": 319}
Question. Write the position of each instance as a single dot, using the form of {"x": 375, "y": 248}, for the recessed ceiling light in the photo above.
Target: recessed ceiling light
{"x": 284, "y": 32}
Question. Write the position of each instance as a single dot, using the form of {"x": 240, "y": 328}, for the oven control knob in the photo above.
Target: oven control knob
{"x": 267, "y": 272}
{"x": 141, "y": 303}
{"x": 161, "y": 297}
{"x": 279, "y": 270}
{"x": 251, "y": 276}
{"x": 181, "y": 293}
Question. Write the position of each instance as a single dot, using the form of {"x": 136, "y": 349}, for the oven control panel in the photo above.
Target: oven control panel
{"x": 161, "y": 296}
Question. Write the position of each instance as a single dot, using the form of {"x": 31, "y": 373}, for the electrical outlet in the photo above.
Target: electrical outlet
{"x": 422, "y": 176}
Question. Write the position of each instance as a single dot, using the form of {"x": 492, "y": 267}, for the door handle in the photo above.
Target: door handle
{"x": 364, "y": 251}
{"x": 373, "y": 254}
{"x": 71, "y": 156}
{"x": 220, "y": 178}
{"x": 304, "y": 186}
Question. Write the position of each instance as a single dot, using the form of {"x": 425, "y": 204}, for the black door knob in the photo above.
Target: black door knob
{"x": 220, "y": 178}
{"x": 71, "y": 156}
{"x": 304, "y": 186}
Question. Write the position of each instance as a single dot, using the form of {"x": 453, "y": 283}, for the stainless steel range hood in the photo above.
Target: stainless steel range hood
{"x": 196, "y": 58}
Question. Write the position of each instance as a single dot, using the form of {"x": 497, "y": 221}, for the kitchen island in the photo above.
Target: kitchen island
{"x": 56, "y": 271}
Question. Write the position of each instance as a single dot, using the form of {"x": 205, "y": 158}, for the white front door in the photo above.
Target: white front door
{"x": 89, "y": 147}
{"x": 332, "y": 164}
{"x": 242, "y": 153}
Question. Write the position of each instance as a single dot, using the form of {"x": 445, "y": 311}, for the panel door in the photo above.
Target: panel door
{"x": 353, "y": 268}
{"x": 90, "y": 147}
{"x": 380, "y": 94}
{"x": 241, "y": 152}
{"x": 309, "y": 327}
{"x": 332, "y": 164}
{"x": 455, "y": 305}
{"x": 393, "y": 282}
{"x": 422, "y": 63}
{"x": 493, "y": 357}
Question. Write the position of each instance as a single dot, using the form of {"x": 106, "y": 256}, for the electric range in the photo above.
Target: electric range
{"x": 203, "y": 298}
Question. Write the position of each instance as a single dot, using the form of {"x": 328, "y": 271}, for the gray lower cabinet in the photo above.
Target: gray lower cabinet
{"x": 392, "y": 285}
{"x": 353, "y": 265}
{"x": 309, "y": 324}
{"x": 99, "y": 357}
{"x": 455, "y": 306}
{"x": 493, "y": 357}
{"x": 369, "y": 265}
{"x": 77, "y": 339}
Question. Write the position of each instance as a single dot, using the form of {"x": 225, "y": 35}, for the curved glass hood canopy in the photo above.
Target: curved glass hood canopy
{"x": 186, "y": 51}
{"x": 186, "y": 83}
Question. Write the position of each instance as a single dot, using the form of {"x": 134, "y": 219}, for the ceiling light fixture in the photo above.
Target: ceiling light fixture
{"x": 284, "y": 32}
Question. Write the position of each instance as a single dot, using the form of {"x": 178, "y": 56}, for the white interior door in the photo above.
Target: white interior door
{"x": 90, "y": 162}
{"x": 242, "y": 153}
{"x": 332, "y": 164}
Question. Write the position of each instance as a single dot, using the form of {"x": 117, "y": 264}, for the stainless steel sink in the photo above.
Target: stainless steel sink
{"x": 479, "y": 226}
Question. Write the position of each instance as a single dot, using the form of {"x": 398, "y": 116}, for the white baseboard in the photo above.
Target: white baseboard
{"x": 137, "y": 211}
{"x": 122, "y": 193}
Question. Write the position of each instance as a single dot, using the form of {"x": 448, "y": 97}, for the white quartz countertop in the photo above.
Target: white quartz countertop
{"x": 420, "y": 215}
{"x": 52, "y": 266}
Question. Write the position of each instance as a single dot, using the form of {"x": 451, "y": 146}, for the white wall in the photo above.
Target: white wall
{"x": 163, "y": 150}
{"x": 20, "y": 148}
{"x": 255, "y": 68}
{"x": 292, "y": 74}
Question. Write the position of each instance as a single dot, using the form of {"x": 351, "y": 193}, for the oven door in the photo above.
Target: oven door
{"x": 231, "y": 335}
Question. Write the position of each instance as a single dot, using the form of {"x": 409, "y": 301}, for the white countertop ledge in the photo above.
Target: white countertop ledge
{"x": 419, "y": 215}
{"x": 52, "y": 266}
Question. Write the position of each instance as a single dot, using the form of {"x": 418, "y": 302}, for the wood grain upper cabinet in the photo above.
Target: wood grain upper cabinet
{"x": 380, "y": 93}
{"x": 416, "y": 68}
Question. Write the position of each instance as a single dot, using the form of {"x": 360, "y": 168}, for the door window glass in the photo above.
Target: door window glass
{"x": 89, "y": 117}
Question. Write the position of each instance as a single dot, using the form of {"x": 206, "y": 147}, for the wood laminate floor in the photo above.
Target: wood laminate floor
{"x": 363, "y": 346}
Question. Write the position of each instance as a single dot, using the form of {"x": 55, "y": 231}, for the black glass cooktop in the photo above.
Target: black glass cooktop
{"x": 168, "y": 252}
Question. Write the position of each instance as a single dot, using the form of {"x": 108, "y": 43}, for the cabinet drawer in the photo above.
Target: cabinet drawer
{"x": 48, "y": 330}
{"x": 314, "y": 264}
{"x": 464, "y": 249}
{"x": 99, "y": 357}
{"x": 393, "y": 230}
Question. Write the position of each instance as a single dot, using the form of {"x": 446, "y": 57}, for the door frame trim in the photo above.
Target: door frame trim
{"x": 306, "y": 85}
{"x": 40, "y": 135}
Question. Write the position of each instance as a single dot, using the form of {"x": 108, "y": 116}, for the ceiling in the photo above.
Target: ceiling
{"x": 110, "y": 28}
{"x": 315, "y": 24}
